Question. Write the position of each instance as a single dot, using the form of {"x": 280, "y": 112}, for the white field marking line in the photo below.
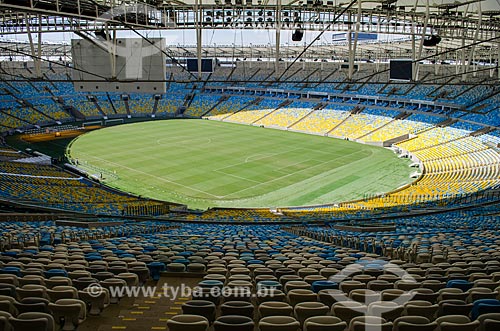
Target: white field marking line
{"x": 270, "y": 155}
{"x": 266, "y": 155}
{"x": 223, "y": 196}
{"x": 236, "y": 176}
{"x": 259, "y": 158}
{"x": 336, "y": 155}
{"x": 278, "y": 170}
{"x": 281, "y": 171}
{"x": 291, "y": 165}
{"x": 290, "y": 174}
{"x": 286, "y": 173}
{"x": 341, "y": 153}
{"x": 279, "y": 178}
{"x": 183, "y": 142}
{"x": 159, "y": 178}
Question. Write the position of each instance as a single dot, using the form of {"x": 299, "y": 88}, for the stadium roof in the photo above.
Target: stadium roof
{"x": 308, "y": 14}
{"x": 440, "y": 31}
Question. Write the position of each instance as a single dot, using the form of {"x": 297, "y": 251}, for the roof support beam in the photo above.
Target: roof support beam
{"x": 498, "y": 55}
{"x": 476, "y": 35}
{"x": 464, "y": 61}
{"x": 35, "y": 54}
{"x": 413, "y": 52}
{"x": 421, "y": 46}
{"x": 198, "y": 26}
{"x": 352, "y": 50}
{"x": 278, "y": 39}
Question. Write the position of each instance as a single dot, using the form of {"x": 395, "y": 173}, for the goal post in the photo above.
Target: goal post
{"x": 92, "y": 123}
{"x": 114, "y": 121}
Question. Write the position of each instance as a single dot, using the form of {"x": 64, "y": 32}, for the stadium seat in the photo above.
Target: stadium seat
{"x": 187, "y": 323}
{"x": 285, "y": 323}
{"x": 324, "y": 323}
{"x": 233, "y": 323}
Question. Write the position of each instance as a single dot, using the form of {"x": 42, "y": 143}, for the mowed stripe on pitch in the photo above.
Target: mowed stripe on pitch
{"x": 207, "y": 163}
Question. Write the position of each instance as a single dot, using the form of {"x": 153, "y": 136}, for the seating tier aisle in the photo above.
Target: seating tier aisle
{"x": 170, "y": 103}
{"x": 254, "y": 112}
{"x": 357, "y": 125}
{"x": 321, "y": 121}
{"x": 141, "y": 104}
{"x": 432, "y": 137}
{"x": 201, "y": 104}
{"x": 396, "y": 129}
{"x": 229, "y": 106}
{"x": 284, "y": 117}
{"x": 84, "y": 105}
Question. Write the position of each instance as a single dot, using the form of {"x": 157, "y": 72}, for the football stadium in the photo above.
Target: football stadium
{"x": 250, "y": 165}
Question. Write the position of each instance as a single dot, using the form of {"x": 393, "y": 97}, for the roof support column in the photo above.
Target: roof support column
{"x": 476, "y": 36}
{"x": 498, "y": 55}
{"x": 36, "y": 55}
{"x": 349, "y": 49}
{"x": 464, "y": 60}
{"x": 421, "y": 45}
{"x": 436, "y": 60}
{"x": 352, "y": 50}
{"x": 413, "y": 51}
{"x": 278, "y": 39}
{"x": 111, "y": 42}
{"x": 198, "y": 16}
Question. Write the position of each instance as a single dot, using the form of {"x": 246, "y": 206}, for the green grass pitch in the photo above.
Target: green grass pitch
{"x": 205, "y": 163}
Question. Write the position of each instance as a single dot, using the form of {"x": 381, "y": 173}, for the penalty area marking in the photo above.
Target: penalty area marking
{"x": 278, "y": 178}
{"x": 150, "y": 175}
{"x": 295, "y": 172}
{"x": 254, "y": 158}
{"x": 285, "y": 173}
{"x": 239, "y": 177}
{"x": 248, "y": 159}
